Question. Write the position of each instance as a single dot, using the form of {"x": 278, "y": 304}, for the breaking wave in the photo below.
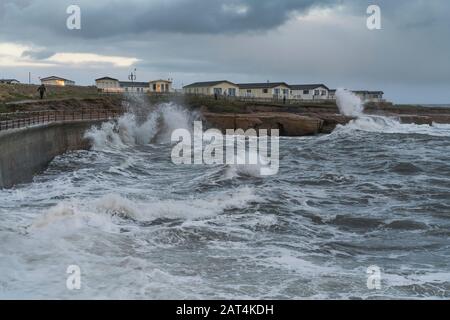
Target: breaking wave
{"x": 70, "y": 215}
{"x": 351, "y": 105}
{"x": 348, "y": 103}
{"x": 380, "y": 124}
{"x": 130, "y": 129}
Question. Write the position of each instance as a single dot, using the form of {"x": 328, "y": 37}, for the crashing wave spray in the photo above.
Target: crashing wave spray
{"x": 348, "y": 103}
{"x": 351, "y": 105}
{"x": 140, "y": 129}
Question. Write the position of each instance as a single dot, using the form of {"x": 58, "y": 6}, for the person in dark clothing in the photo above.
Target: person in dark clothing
{"x": 284, "y": 99}
{"x": 42, "y": 89}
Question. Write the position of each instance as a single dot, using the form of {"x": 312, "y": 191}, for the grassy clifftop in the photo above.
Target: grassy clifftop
{"x": 17, "y": 92}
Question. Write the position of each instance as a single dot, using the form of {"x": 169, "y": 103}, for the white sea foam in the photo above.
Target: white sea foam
{"x": 220, "y": 238}
{"x": 99, "y": 213}
{"x": 351, "y": 105}
{"x": 251, "y": 170}
{"x": 130, "y": 130}
{"x": 379, "y": 124}
{"x": 348, "y": 103}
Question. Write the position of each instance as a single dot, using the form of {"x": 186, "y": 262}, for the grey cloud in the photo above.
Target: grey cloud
{"x": 38, "y": 55}
{"x": 201, "y": 39}
{"x": 105, "y": 18}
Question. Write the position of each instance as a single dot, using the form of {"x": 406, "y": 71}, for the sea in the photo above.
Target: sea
{"x": 361, "y": 213}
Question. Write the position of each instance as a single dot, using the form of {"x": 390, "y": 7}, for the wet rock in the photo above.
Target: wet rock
{"x": 289, "y": 124}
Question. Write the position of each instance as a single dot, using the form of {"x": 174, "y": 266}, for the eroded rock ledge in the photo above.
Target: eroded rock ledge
{"x": 289, "y": 124}
{"x": 311, "y": 121}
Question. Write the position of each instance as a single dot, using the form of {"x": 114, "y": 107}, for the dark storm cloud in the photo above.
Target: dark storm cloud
{"x": 247, "y": 40}
{"x": 103, "y": 18}
{"x": 44, "y": 19}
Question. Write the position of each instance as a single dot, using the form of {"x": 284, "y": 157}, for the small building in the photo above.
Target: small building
{"x": 210, "y": 88}
{"x": 370, "y": 96}
{"x": 57, "y": 81}
{"x": 267, "y": 90}
{"x": 332, "y": 94}
{"x": 160, "y": 86}
{"x": 364, "y": 95}
{"x": 108, "y": 84}
{"x": 134, "y": 87}
{"x": 310, "y": 92}
{"x": 9, "y": 81}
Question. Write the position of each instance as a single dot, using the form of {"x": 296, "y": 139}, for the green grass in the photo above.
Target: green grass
{"x": 13, "y": 93}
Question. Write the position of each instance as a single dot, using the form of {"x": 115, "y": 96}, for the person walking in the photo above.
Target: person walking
{"x": 42, "y": 89}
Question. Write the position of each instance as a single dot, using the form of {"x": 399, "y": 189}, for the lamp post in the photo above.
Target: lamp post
{"x": 132, "y": 77}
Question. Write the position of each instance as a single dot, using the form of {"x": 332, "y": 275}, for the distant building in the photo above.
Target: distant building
{"x": 210, "y": 88}
{"x": 108, "y": 84}
{"x": 9, "y": 81}
{"x": 57, "y": 81}
{"x": 134, "y": 87}
{"x": 112, "y": 85}
{"x": 332, "y": 94}
{"x": 268, "y": 90}
{"x": 310, "y": 92}
{"x": 370, "y": 96}
{"x": 364, "y": 95}
{"x": 161, "y": 86}
{"x": 273, "y": 90}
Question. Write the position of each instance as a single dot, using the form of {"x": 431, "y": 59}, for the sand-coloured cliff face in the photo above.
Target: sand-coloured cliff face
{"x": 289, "y": 124}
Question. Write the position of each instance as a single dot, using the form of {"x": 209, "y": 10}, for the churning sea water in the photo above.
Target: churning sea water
{"x": 373, "y": 193}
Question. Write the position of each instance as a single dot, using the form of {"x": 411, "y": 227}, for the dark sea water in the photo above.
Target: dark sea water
{"x": 373, "y": 193}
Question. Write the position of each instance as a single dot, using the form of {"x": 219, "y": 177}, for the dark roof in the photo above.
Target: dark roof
{"x": 134, "y": 84}
{"x": 263, "y": 85}
{"x": 56, "y": 78}
{"x": 207, "y": 84}
{"x": 106, "y": 78}
{"x": 367, "y": 92}
{"x": 308, "y": 86}
{"x": 359, "y": 91}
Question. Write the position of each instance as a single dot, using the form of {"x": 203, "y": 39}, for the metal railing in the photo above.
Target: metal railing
{"x": 18, "y": 120}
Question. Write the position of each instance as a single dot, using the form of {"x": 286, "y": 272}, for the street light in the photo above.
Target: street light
{"x": 132, "y": 77}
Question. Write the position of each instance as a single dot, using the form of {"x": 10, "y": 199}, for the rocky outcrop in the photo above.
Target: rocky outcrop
{"x": 289, "y": 124}
{"x": 331, "y": 121}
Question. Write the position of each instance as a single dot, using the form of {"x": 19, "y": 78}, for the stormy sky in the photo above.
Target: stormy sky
{"x": 297, "y": 41}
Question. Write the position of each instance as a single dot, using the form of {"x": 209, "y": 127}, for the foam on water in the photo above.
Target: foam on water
{"x": 98, "y": 213}
{"x": 130, "y": 130}
{"x": 351, "y": 105}
{"x": 380, "y": 124}
{"x": 140, "y": 227}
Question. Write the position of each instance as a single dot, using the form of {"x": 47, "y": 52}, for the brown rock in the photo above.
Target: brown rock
{"x": 289, "y": 124}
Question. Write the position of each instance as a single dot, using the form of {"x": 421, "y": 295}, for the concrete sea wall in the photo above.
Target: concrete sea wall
{"x": 26, "y": 152}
